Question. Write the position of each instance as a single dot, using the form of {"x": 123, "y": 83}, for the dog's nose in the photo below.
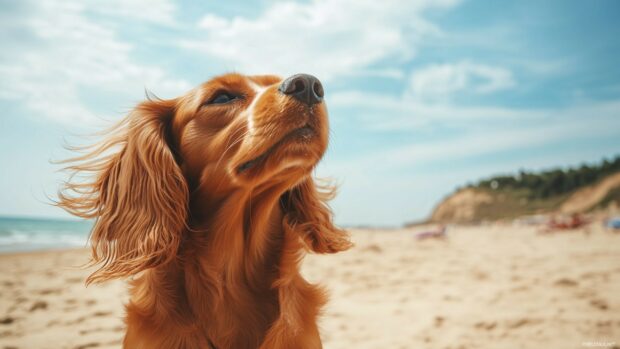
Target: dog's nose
{"x": 303, "y": 87}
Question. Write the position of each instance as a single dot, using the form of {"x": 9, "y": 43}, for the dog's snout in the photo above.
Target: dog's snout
{"x": 303, "y": 87}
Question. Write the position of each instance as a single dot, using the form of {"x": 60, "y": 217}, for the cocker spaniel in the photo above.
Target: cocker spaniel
{"x": 208, "y": 202}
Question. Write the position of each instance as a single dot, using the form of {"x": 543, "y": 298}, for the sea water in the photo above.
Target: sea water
{"x": 29, "y": 234}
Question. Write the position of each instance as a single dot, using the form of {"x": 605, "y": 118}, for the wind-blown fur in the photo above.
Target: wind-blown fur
{"x": 214, "y": 250}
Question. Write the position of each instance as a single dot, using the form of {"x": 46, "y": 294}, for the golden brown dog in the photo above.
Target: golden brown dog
{"x": 208, "y": 201}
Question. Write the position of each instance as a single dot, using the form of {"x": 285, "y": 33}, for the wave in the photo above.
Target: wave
{"x": 28, "y": 235}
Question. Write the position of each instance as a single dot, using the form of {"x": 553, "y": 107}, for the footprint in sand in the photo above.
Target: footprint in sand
{"x": 84, "y": 318}
{"x": 7, "y": 320}
{"x": 522, "y": 322}
{"x": 604, "y": 324}
{"x": 50, "y": 291}
{"x": 101, "y": 329}
{"x": 585, "y": 294}
{"x": 487, "y": 326}
{"x": 566, "y": 282}
{"x": 20, "y": 300}
{"x": 600, "y": 304}
{"x": 373, "y": 248}
{"x": 38, "y": 305}
{"x": 479, "y": 274}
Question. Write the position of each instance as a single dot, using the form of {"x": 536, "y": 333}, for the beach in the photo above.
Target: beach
{"x": 487, "y": 286}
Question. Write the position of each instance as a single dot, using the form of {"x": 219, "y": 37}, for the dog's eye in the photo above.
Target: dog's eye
{"x": 222, "y": 98}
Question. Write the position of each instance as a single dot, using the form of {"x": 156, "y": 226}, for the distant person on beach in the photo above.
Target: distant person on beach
{"x": 613, "y": 224}
{"x": 576, "y": 221}
{"x": 439, "y": 233}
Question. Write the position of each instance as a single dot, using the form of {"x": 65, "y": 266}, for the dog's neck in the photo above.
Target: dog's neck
{"x": 238, "y": 228}
{"x": 238, "y": 243}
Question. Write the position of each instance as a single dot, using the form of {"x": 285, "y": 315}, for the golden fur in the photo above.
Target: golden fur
{"x": 210, "y": 208}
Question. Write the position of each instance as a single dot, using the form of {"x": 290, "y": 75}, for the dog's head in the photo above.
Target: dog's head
{"x": 233, "y": 133}
{"x": 247, "y": 131}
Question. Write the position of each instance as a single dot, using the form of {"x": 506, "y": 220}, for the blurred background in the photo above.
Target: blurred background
{"x": 424, "y": 96}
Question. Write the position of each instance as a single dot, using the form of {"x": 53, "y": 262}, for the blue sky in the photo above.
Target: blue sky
{"x": 423, "y": 95}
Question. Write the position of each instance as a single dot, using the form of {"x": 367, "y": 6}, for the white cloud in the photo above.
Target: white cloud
{"x": 212, "y": 22}
{"x": 327, "y": 38}
{"x": 70, "y": 55}
{"x": 441, "y": 81}
{"x": 536, "y": 128}
{"x": 387, "y": 73}
{"x": 496, "y": 141}
{"x": 402, "y": 113}
{"x": 154, "y": 11}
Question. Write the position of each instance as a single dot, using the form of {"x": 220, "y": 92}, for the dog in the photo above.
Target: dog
{"x": 208, "y": 203}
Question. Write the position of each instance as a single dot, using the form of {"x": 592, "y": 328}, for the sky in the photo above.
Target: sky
{"x": 424, "y": 96}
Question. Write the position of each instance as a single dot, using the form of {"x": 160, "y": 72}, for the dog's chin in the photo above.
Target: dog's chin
{"x": 286, "y": 172}
{"x": 295, "y": 148}
{"x": 286, "y": 164}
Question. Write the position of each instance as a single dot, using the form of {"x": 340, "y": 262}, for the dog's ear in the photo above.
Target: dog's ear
{"x": 136, "y": 192}
{"x": 307, "y": 213}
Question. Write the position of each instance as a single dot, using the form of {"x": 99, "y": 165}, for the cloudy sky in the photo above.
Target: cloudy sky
{"x": 423, "y": 95}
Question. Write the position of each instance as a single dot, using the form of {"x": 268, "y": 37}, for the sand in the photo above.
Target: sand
{"x": 483, "y": 287}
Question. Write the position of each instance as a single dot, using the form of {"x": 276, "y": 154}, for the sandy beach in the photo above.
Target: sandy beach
{"x": 498, "y": 286}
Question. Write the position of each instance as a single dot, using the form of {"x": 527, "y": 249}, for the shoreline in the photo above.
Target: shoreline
{"x": 9, "y": 254}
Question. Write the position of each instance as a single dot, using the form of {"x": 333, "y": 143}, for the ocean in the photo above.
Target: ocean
{"x": 30, "y": 234}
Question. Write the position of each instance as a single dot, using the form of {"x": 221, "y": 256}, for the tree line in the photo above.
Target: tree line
{"x": 552, "y": 182}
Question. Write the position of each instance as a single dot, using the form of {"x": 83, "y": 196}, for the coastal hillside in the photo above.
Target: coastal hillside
{"x": 568, "y": 191}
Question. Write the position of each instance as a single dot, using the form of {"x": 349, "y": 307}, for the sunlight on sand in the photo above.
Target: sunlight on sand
{"x": 496, "y": 286}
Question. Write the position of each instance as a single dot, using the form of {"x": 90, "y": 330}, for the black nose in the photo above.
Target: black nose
{"x": 303, "y": 87}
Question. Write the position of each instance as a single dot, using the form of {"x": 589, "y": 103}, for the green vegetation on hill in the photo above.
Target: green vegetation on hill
{"x": 579, "y": 189}
{"x": 551, "y": 183}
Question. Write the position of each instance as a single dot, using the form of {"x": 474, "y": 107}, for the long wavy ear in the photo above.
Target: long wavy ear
{"x": 134, "y": 189}
{"x": 307, "y": 213}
